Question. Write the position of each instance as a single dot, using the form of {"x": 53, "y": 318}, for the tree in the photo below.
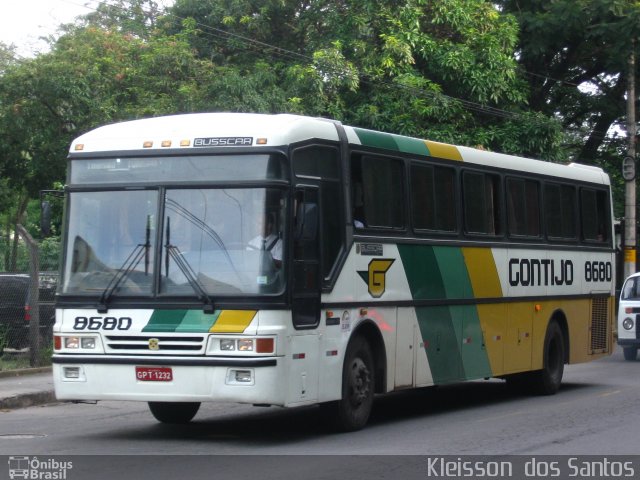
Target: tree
{"x": 574, "y": 55}
{"x": 90, "y": 77}
{"x": 133, "y": 17}
{"x": 441, "y": 69}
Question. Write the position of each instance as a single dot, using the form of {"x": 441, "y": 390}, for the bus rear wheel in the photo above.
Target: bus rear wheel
{"x": 358, "y": 386}
{"x": 547, "y": 381}
{"x": 174, "y": 412}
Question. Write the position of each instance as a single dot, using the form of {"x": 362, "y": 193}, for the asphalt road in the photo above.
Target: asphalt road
{"x": 596, "y": 412}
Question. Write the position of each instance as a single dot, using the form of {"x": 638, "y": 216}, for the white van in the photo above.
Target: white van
{"x": 629, "y": 317}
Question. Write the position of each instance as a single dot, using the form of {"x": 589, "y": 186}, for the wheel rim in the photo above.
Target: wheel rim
{"x": 359, "y": 383}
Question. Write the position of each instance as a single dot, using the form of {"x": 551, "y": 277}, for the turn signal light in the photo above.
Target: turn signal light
{"x": 264, "y": 345}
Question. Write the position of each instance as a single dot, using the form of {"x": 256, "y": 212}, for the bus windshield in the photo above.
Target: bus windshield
{"x": 213, "y": 241}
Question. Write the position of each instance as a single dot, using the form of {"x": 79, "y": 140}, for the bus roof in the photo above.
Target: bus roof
{"x": 279, "y": 129}
{"x": 469, "y": 155}
{"x": 194, "y": 130}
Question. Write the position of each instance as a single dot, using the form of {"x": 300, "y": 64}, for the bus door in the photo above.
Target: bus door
{"x": 305, "y": 298}
{"x": 307, "y": 281}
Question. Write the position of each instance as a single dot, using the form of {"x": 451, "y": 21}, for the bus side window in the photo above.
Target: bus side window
{"x": 358, "y": 205}
{"x": 377, "y": 192}
{"x": 481, "y": 193}
{"x": 523, "y": 207}
{"x": 560, "y": 211}
{"x": 594, "y": 214}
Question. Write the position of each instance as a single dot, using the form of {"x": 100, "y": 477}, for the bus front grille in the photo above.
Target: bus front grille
{"x": 155, "y": 345}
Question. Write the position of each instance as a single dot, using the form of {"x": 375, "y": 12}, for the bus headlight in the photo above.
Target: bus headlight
{"x": 627, "y": 323}
{"x": 75, "y": 342}
{"x": 227, "y": 344}
{"x": 260, "y": 345}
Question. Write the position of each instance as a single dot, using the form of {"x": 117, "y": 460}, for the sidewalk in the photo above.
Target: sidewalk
{"x": 25, "y": 388}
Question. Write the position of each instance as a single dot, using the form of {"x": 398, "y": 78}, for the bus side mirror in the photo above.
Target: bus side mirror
{"x": 45, "y": 218}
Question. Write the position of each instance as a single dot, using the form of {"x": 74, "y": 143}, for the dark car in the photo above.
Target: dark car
{"x": 16, "y": 310}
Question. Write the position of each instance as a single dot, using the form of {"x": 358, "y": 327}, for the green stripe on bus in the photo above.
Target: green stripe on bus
{"x": 164, "y": 320}
{"x": 376, "y": 139}
{"x": 193, "y": 321}
{"x": 452, "y": 335}
{"x": 423, "y": 272}
{"x": 412, "y": 145}
{"x": 196, "y": 321}
{"x": 441, "y": 343}
{"x": 392, "y": 142}
{"x": 455, "y": 278}
{"x": 466, "y": 321}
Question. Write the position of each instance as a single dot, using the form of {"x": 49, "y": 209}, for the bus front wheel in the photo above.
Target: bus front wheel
{"x": 174, "y": 412}
{"x": 353, "y": 410}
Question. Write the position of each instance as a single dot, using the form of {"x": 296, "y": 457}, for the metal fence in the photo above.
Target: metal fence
{"x": 27, "y": 311}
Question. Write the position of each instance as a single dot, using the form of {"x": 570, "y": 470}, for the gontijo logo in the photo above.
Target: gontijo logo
{"x": 376, "y": 276}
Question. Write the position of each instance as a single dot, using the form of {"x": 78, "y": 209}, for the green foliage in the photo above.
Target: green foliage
{"x": 500, "y": 75}
{"x": 574, "y": 54}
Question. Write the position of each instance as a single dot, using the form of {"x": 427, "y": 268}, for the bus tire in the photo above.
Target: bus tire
{"x": 547, "y": 381}
{"x": 630, "y": 353}
{"x": 174, "y": 412}
{"x": 358, "y": 386}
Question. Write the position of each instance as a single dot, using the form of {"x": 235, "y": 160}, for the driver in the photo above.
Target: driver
{"x": 268, "y": 239}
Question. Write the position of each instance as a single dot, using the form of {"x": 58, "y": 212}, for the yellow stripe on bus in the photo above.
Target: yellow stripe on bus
{"x": 485, "y": 282}
{"x": 482, "y": 272}
{"x": 233, "y": 321}
{"x": 443, "y": 150}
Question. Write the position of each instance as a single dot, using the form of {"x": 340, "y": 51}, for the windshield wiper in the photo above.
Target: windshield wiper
{"x": 189, "y": 216}
{"x": 131, "y": 262}
{"x": 173, "y": 252}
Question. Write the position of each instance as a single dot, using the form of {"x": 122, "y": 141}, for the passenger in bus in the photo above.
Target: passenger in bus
{"x": 358, "y": 205}
{"x": 268, "y": 239}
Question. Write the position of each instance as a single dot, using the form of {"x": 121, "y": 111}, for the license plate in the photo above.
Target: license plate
{"x": 154, "y": 374}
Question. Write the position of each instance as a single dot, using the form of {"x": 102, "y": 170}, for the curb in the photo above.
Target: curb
{"x": 27, "y": 400}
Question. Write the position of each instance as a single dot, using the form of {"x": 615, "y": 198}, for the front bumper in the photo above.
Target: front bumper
{"x": 194, "y": 379}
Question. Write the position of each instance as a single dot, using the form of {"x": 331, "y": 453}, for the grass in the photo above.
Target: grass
{"x": 14, "y": 361}
{"x": 18, "y": 360}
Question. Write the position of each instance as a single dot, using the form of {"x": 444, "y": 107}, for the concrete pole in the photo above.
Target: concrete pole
{"x": 630, "y": 186}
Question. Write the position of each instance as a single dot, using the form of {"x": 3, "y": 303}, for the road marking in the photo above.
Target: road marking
{"x": 607, "y": 394}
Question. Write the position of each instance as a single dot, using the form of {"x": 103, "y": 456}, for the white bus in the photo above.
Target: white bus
{"x": 285, "y": 260}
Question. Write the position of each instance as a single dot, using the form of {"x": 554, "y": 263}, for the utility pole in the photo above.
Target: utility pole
{"x": 630, "y": 180}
